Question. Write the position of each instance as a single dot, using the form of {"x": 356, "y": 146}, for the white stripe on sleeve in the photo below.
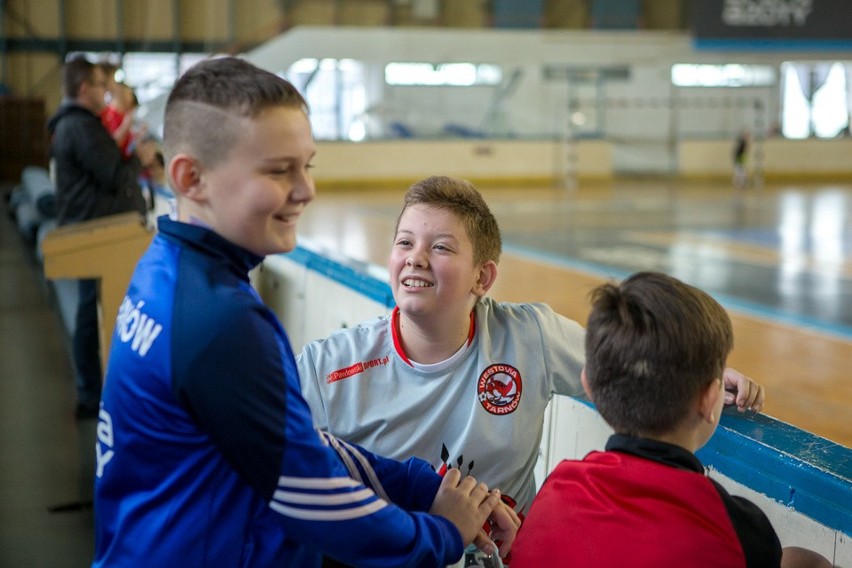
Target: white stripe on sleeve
{"x": 324, "y": 499}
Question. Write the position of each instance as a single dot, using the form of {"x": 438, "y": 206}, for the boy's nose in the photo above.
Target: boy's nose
{"x": 304, "y": 189}
{"x": 415, "y": 259}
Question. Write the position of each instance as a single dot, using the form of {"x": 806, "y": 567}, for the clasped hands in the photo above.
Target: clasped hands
{"x": 468, "y": 504}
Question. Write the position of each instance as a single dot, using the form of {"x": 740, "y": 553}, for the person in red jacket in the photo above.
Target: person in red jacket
{"x": 118, "y": 117}
{"x": 655, "y": 353}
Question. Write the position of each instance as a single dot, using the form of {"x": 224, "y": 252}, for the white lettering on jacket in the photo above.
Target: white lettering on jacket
{"x": 105, "y": 441}
{"x": 133, "y": 325}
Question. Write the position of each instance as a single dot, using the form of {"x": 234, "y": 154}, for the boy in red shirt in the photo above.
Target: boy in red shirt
{"x": 655, "y": 353}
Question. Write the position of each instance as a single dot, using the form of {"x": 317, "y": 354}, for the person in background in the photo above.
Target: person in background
{"x": 207, "y": 454}
{"x": 93, "y": 179}
{"x": 655, "y": 356}
{"x": 153, "y": 181}
{"x": 740, "y": 157}
{"x": 119, "y": 116}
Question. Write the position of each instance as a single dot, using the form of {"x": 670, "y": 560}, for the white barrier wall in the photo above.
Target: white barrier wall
{"x": 803, "y": 483}
{"x": 312, "y": 303}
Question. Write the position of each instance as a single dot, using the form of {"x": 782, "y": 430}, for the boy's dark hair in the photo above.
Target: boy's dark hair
{"x": 652, "y": 343}
{"x": 204, "y": 102}
{"x": 462, "y": 199}
{"x": 75, "y": 72}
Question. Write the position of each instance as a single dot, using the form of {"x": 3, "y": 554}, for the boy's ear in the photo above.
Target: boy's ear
{"x": 708, "y": 399}
{"x": 185, "y": 175}
{"x": 82, "y": 90}
{"x": 485, "y": 280}
{"x": 585, "y": 380}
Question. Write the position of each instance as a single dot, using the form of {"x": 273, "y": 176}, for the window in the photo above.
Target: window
{"x": 153, "y": 74}
{"x": 729, "y": 75}
{"x": 443, "y": 74}
{"x": 336, "y": 94}
{"x": 815, "y": 99}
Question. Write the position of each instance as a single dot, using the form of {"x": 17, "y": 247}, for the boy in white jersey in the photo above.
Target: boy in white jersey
{"x": 452, "y": 376}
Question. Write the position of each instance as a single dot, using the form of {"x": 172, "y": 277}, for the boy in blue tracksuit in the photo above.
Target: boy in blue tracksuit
{"x": 206, "y": 452}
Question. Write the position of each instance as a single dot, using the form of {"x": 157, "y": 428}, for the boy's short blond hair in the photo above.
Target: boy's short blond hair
{"x": 205, "y": 106}
{"x": 462, "y": 199}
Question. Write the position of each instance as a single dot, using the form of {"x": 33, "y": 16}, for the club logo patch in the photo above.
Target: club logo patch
{"x": 499, "y": 389}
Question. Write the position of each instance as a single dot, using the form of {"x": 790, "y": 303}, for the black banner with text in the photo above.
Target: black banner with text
{"x": 783, "y": 20}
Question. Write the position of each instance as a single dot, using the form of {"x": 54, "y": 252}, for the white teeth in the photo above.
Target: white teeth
{"x": 416, "y": 283}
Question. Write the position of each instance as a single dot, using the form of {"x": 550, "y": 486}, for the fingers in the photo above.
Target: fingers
{"x": 465, "y": 502}
{"x": 490, "y": 501}
{"x": 747, "y": 395}
{"x": 468, "y": 503}
{"x": 484, "y": 543}
{"x": 504, "y": 526}
{"x": 504, "y": 517}
{"x": 451, "y": 478}
{"x": 467, "y": 486}
{"x": 751, "y": 397}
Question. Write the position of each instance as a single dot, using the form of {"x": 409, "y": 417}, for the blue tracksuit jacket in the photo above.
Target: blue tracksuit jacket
{"x": 206, "y": 451}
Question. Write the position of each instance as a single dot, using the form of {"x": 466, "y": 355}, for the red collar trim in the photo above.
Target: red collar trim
{"x": 472, "y": 331}
{"x": 397, "y": 337}
{"x": 397, "y": 340}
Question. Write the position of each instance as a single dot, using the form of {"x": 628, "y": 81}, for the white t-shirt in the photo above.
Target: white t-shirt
{"x": 482, "y": 414}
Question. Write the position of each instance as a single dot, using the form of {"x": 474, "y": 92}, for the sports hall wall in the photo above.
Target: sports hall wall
{"x": 799, "y": 480}
{"x": 581, "y": 104}
{"x": 572, "y": 105}
{"x": 35, "y": 35}
{"x": 586, "y": 91}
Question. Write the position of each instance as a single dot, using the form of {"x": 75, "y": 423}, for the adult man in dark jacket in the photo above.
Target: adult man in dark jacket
{"x": 93, "y": 180}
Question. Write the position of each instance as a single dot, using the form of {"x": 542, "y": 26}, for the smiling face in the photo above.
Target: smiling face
{"x": 432, "y": 271}
{"x": 255, "y": 195}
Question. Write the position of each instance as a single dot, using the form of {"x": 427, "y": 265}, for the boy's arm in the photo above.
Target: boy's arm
{"x": 562, "y": 343}
{"x": 371, "y": 525}
{"x": 414, "y": 481}
{"x": 242, "y": 389}
{"x": 411, "y": 484}
{"x": 417, "y": 478}
{"x": 564, "y": 351}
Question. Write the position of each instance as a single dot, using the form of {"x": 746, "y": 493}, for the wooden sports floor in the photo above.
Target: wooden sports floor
{"x": 777, "y": 258}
